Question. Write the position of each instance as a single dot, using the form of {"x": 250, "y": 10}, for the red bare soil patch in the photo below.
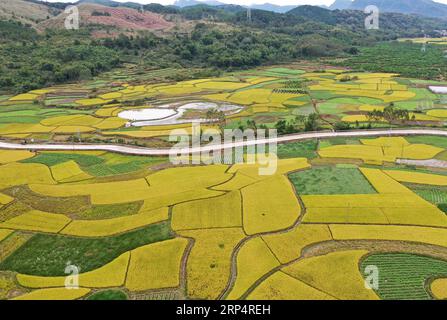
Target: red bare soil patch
{"x": 120, "y": 18}
{"x": 124, "y": 18}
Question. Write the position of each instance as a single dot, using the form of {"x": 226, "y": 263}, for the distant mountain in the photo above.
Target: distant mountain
{"x": 266, "y": 6}
{"x": 272, "y": 7}
{"x": 111, "y": 3}
{"x": 190, "y": 3}
{"x": 426, "y": 8}
{"x": 341, "y": 5}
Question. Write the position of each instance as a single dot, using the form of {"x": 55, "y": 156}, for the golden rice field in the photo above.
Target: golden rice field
{"x": 218, "y": 231}
{"x": 146, "y": 227}
{"x": 74, "y": 112}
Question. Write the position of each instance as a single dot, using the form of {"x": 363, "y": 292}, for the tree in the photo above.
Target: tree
{"x": 312, "y": 123}
{"x": 218, "y": 117}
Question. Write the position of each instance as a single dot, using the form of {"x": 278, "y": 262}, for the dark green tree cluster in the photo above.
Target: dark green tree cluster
{"x": 36, "y": 61}
{"x": 301, "y": 123}
{"x": 406, "y": 58}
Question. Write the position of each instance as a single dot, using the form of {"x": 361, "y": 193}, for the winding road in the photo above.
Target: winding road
{"x": 214, "y": 147}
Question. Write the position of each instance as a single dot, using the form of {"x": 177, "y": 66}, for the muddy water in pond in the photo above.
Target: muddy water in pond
{"x": 172, "y": 114}
{"x": 439, "y": 90}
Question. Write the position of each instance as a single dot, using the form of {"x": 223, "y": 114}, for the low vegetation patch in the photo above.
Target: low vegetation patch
{"x": 331, "y": 180}
{"x": 47, "y": 255}
{"x": 108, "y": 295}
{"x": 403, "y": 276}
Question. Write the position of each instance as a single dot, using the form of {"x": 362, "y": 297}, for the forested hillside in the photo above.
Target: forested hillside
{"x": 217, "y": 38}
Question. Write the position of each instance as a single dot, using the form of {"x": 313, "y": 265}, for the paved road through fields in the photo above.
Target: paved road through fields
{"x": 212, "y": 147}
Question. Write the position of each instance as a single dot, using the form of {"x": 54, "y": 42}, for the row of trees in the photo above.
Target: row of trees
{"x": 300, "y": 123}
{"x": 390, "y": 114}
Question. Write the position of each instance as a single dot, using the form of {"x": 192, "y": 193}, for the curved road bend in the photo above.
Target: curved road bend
{"x": 166, "y": 152}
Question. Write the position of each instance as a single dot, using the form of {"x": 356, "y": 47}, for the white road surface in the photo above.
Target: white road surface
{"x": 193, "y": 150}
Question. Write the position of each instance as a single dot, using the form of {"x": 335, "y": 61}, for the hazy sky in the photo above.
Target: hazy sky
{"x": 242, "y": 2}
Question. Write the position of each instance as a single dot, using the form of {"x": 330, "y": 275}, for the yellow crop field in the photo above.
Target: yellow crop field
{"x": 92, "y": 102}
{"x": 24, "y": 97}
{"x": 41, "y": 91}
{"x": 280, "y": 286}
{"x": 426, "y": 216}
{"x": 208, "y": 266}
{"x": 423, "y": 117}
{"x": 251, "y": 96}
{"x": 336, "y": 273}
{"x": 101, "y": 193}
{"x": 4, "y": 199}
{"x": 55, "y": 294}
{"x": 345, "y": 215}
{"x": 221, "y": 85}
{"x": 140, "y": 133}
{"x": 284, "y": 166}
{"x": 247, "y": 271}
{"x": 111, "y": 95}
{"x": 178, "y": 89}
{"x": 35, "y": 220}
{"x": 281, "y": 97}
{"x": 383, "y": 183}
{"x": 4, "y": 233}
{"x": 287, "y": 246}
{"x": 107, "y": 112}
{"x": 7, "y": 156}
{"x": 386, "y": 142}
{"x": 277, "y": 209}
{"x": 178, "y": 196}
{"x": 365, "y": 201}
{"x": 112, "y": 274}
{"x": 369, "y": 108}
{"x": 71, "y": 120}
{"x": 438, "y": 113}
{"x": 108, "y": 227}
{"x": 435, "y": 236}
{"x": 363, "y": 152}
{"x": 25, "y": 128}
{"x": 110, "y": 123}
{"x": 236, "y": 183}
{"x": 221, "y": 212}
{"x": 156, "y": 266}
{"x": 260, "y": 108}
{"x": 295, "y": 103}
{"x": 439, "y": 289}
{"x": 72, "y": 129}
{"x": 421, "y": 151}
{"x": 257, "y": 80}
{"x": 355, "y": 118}
{"x": 66, "y": 170}
{"x": 417, "y": 177}
{"x": 15, "y": 174}
{"x": 188, "y": 178}
{"x": 381, "y": 150}
{"x": 16, "y": 135}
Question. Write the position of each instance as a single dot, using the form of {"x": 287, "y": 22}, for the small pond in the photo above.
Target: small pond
{"x": 172, "y": 114}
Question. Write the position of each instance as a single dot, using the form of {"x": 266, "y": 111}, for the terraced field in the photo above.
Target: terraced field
{"x": 91, "y": 112}
{"x": 142, "y": 228}
{"x": 195, "y": 231}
